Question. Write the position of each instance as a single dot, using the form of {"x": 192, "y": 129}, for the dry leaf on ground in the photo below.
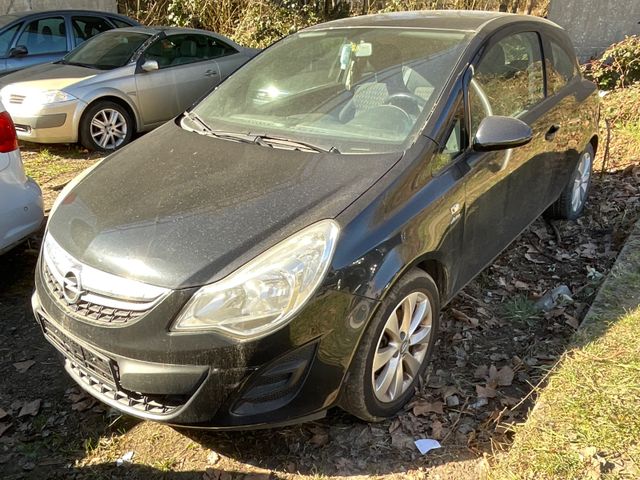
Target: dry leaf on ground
{"x": 30, "y": 408}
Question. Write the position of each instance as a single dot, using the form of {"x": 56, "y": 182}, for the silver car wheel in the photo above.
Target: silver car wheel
{"x": 581, "y": 182}
{"x": 402, "y": 347}
{"x": 108, "y": 128}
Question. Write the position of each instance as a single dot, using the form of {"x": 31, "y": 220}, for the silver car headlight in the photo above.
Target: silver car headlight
{"x": 50, "y": 96}
{"x": 264, "y": 294}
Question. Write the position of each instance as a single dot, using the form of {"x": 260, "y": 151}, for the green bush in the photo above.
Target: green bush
{"x": 263, "y": 23}
{"x": 619, "y": 66}
{"x": 258, "y": 23}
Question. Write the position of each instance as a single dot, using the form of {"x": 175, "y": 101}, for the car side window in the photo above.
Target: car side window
{"x": 44, "y": 35}
{"x": 454, "y": 143}
{"x": 119, "y": 23}
{"x": 5, "y": 39}
{"x": 85, "y": 27}
{"x": 184, "y": 49}
{"x": 561, "y": 68}
{"x": 511, "y": 76}
{"x": 213, "y": 48}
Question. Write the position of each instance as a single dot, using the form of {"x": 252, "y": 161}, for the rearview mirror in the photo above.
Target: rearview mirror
{"x": 501, "y": 133}
{"x": 18, "y": 51}
{"x": 150, "y": 65}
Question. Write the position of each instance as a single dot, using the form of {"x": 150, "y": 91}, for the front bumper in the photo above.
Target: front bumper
{"x": 205, "y": 380}
{"x": 52, "y": 123}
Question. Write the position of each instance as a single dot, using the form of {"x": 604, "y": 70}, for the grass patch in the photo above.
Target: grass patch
{"x": 45, "y": 165}
{"x": 586, "y": 423}
{"x": 620, "y": 109}
{"x": 520, "y": 308}
{"x": 631, "y": 130}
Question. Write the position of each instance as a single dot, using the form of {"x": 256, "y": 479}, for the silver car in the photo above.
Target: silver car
{"x": 118, "y": 83}
{"x": 21, "y": 206}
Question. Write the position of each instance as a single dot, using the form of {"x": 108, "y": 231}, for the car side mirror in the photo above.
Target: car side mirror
{"x": 18, "y": 51}
{"x": 150, "y": 66}
{"x": 501, "y": 133}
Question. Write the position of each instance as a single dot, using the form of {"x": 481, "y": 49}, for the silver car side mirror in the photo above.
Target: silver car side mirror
{"x": 150, "y": 65}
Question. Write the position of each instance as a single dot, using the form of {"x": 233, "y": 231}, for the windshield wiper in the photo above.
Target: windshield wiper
{"x": 78, "y": 64}
{"x": 262, "y": 140}
{"x": 206, "y": 129}
{"x": 270, "y": 141}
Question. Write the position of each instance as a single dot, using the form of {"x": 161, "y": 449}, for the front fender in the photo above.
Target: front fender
{"x": 105, "y": 92}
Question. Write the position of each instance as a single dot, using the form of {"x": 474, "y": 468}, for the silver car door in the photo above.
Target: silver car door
{"x": 157, "y": 90}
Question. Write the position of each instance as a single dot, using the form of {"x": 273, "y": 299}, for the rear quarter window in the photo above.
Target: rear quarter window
{"x": 561, "y": 67}
{"x": 119, "y": 23}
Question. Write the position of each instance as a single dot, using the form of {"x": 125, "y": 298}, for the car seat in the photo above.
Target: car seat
{"x": 383, "y": 73}
{"x": 188, "y": 52}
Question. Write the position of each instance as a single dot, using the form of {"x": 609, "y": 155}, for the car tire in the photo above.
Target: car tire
{"x": 573, "y": 198}
{"x": 105, "y": 127}
{"x": 359, "y": 396}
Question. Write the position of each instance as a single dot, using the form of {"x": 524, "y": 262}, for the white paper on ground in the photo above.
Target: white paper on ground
{"x": 126, "y": 458}
{"x": 426, "y": 444}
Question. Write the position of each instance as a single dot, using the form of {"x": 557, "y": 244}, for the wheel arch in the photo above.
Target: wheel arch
{"x": 110, "y": 97}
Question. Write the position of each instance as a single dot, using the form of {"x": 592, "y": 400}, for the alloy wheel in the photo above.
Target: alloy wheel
{"x": 402, "y": 347}
{"x": 108, "y": 128}
{"x": 581, "y": 182}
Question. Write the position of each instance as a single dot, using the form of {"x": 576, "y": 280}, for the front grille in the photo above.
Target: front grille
{"x": 16, "y": 99}
{"x": 89, "y": 294}
{"x": 89, "y": 310}
{"x": 100, "y": 373}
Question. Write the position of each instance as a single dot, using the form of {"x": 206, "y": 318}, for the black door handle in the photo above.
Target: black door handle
{"x": 551, "y": 133}
{"x": 210, "y": 73}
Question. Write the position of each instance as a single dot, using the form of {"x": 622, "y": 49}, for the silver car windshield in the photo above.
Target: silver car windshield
{"x": 356, "y": 90}
{"x": 106, "y": 51}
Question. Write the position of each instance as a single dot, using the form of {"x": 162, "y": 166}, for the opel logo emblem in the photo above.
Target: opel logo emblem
{"x": 71, "y": 288}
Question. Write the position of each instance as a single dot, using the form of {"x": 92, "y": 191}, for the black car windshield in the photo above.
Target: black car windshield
{"x": 352, "y": 90}
{"x": 107, "y": 51}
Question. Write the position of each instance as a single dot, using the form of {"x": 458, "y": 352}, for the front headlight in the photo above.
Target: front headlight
{"x": 265, "y": 293}
{"x": 50, "y": 96}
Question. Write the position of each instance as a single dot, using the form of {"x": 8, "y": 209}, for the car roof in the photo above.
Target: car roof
{"x": 158, "y": 29}
{"x": 17, "y": 15}
{"x": 463, "y": 20}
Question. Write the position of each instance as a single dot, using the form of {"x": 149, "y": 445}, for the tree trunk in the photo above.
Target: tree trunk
{"x": 503, "y": 6}
{"x": 529, "y": 8}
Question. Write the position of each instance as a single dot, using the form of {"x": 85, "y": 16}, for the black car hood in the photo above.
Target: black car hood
{"x": 178, "y": 209}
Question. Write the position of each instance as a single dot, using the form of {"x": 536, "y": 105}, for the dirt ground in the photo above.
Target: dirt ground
{"x": 495, "y": 347}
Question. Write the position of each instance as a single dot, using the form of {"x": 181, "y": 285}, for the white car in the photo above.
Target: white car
{"x": 21, "y": 206}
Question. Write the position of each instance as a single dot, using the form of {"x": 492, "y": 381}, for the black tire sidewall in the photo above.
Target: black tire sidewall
{"x": 85, "y": 125}
{"x": 422, "y": 284}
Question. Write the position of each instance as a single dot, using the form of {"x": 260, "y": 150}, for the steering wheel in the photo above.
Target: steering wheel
{"x": 412, "y": 104}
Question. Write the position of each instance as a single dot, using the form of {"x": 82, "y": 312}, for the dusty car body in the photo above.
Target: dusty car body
{"x": 117, "y": 83}
{"x": 21, "y": 205}
{"x": 290, "y": 244}
{"x": 30, "y": 38}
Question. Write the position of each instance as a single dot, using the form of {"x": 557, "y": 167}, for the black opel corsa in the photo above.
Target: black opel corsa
{"x": 286, "y": 245}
